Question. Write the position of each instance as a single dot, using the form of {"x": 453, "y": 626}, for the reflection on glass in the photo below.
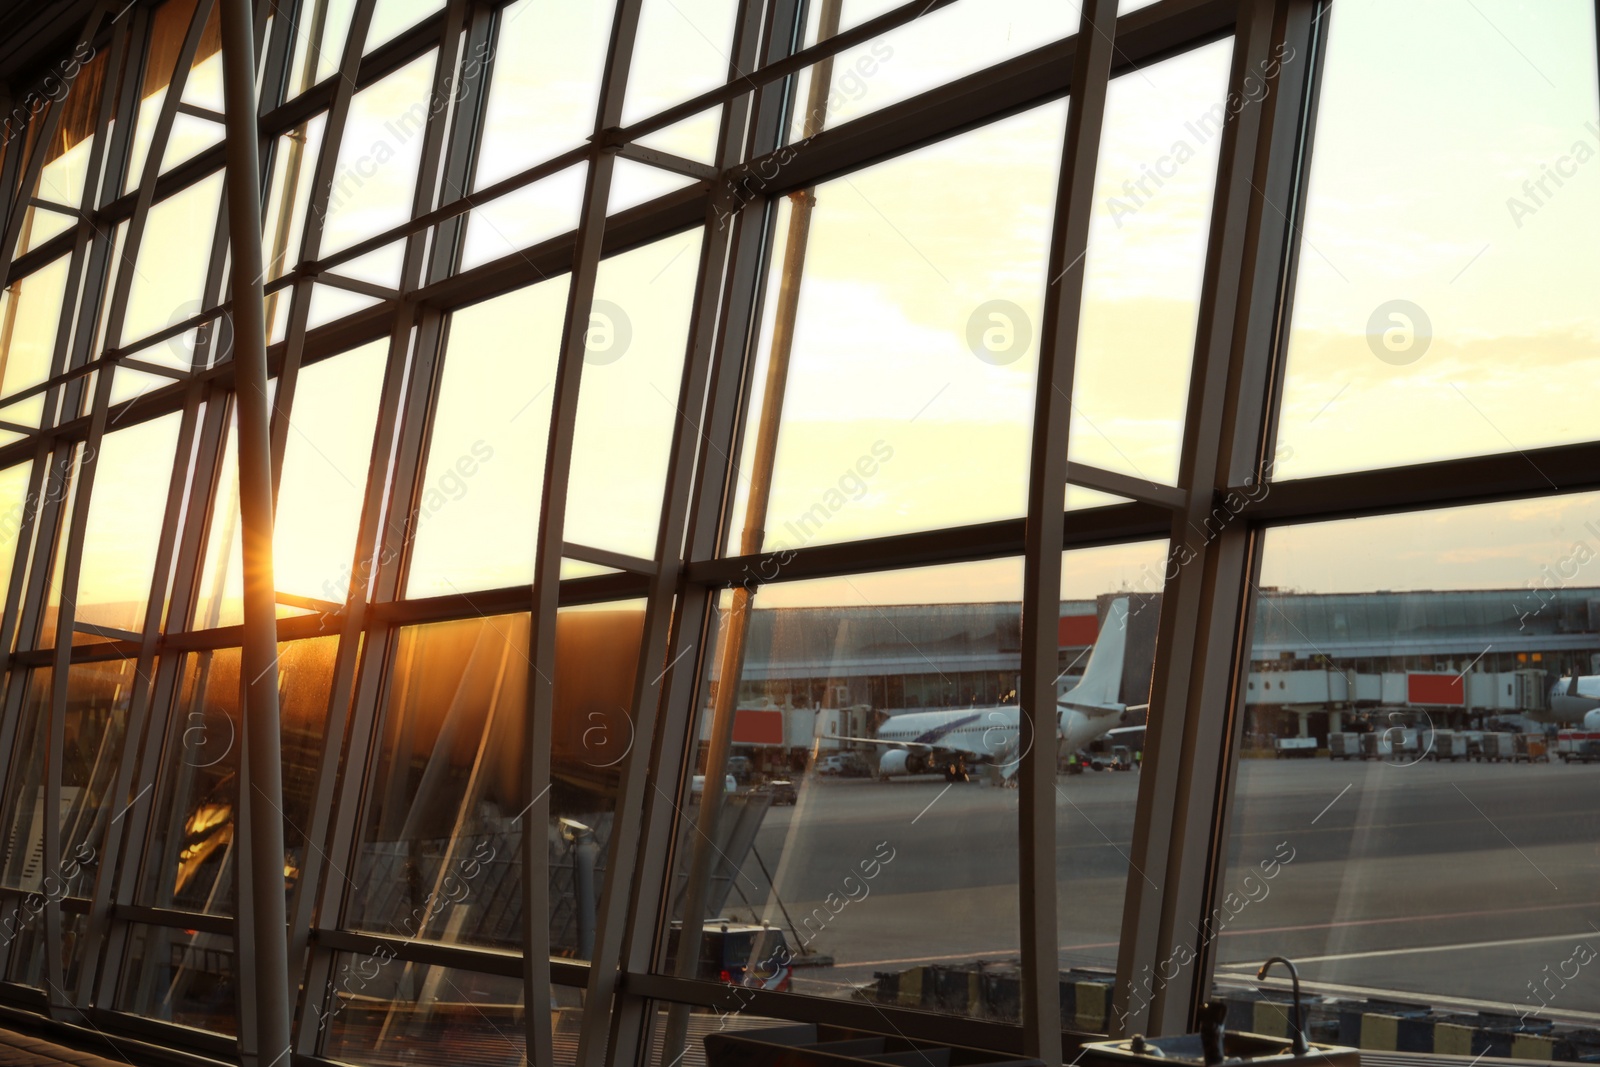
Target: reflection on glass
{"x": 546, "y": 84}
{"x": 1444, "y": 305}
{"x": 1433, "y": 848}
{"x": 440, "y": 854}
{"x": 627, "y": 401}
{"x": 1110, "y": 610}
{"x": 191, "y": 864}
{"x": 872, "y": 735}
{"x": 478, "y": 511}
{"x": 390, "y": 1013}
{"x": 169, "y": 274}
{"x": 186, "y": 977}
{"x": 30, "y": 312}
{"x": 1147, "y": 247}
{"x": 914, "y": 348}
{"x": 94, "y": 732}
{"x": 376, "y": 174}
{"x": 27, "y": 951}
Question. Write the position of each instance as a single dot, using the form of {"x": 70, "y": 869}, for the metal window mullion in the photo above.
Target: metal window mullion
{"x": 206, "y": 460}
{"x": 396, "y": 468}
{"x": 694, "y": 627}
{"x": 1204, "y": 604}
{"x": 1047, "y": 488}
{"x": 66, "y": 612}
{"x": 613, "y": 926}
{"x": 122, "y": 795}
{"x": 116, "y": 314}
{"x": 35, "y": 160}
{"x": 333, "y": 132}
{"x": 552, "y": 521}
{"x": 1282, "y": 173}
{"x": 23, "y": 588}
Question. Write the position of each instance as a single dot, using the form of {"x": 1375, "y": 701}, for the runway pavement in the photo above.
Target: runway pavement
{"x": 1454, "y": 884}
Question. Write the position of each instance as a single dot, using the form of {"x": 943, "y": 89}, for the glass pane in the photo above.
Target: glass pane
{"x": 597, "y": 656}
{"x": 325, "y": 468}
{"x": 934, "y": 49}
{"x": 390, "y": 18}
{"x": 508, "y": 224}
{"x": 24, "y": 866}
{"x": 30, "y": 312}
{"x": 319, "y": 41}
{"x": 192, "y": 134}
{"x": 1431, "y": 667}
{"x": 94, "y": 739}
{"x": 391, "y": 1013}
{"x": 1444, "y": 305}
{"x": 326, "y": 458}
{"x": 126, "y": 508}
{"x": 1110, "y": 613}
{"x": 181, "y": 976}
{"x": 1142, "y": 275}
{"x": 545, "y": 87}
{"x": 683, "y": 49}
{"x": 478, "y": 511}
{"x": 376, "y": 175}
{"x": 66, "y": 164}
{"x": 908, "y": 677}
{"x": 168, "y": 29}
{"x": 191, "y": 864}
{"x": 27, "y": 953}
{"x": 440, "y": 852}
{"x": 293, "y": 166}
{"x": 17, "y": 506}
{"x": 440, "y": 858}
{"x": 169, "y": 273}
{"x": 628, "y": 398}
{"x": 898, "y": 298}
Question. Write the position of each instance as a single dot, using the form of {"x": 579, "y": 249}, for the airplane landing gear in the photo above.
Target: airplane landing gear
{"x": 956, "y": 771}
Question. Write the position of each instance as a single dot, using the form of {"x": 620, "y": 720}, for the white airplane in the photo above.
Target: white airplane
{"x": 954, "y": 741}
{"x": 1574, "y": 701}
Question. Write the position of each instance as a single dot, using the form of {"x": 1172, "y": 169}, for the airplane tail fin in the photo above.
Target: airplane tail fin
{"x": 1101, "y": 685}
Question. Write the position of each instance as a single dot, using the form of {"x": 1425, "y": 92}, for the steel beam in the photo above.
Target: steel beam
{"x": 1047, "y": 488}
{"x": 263, "y": 894}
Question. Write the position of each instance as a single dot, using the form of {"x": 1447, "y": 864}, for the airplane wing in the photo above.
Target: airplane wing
{"x": 1125, "y": 730}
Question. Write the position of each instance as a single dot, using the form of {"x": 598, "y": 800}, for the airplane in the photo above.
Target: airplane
{"x": 953, "y": 741}
{"x": 1574, "y": 701}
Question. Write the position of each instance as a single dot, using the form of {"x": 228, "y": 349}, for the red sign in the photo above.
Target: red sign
{"x": 1436, "y": 689}
{"x": 1077, "y": 631}
{"x": 752, "y": 727}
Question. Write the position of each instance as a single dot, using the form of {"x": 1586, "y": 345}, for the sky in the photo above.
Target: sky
{"x": 916, "y": 343}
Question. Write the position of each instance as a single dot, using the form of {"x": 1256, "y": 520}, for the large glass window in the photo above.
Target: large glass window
{"x": 854, "y": 828}
{"x": 1433, "y": 848}
{"x": 904, "y": 408}
{"x": 1442, "y": 306}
